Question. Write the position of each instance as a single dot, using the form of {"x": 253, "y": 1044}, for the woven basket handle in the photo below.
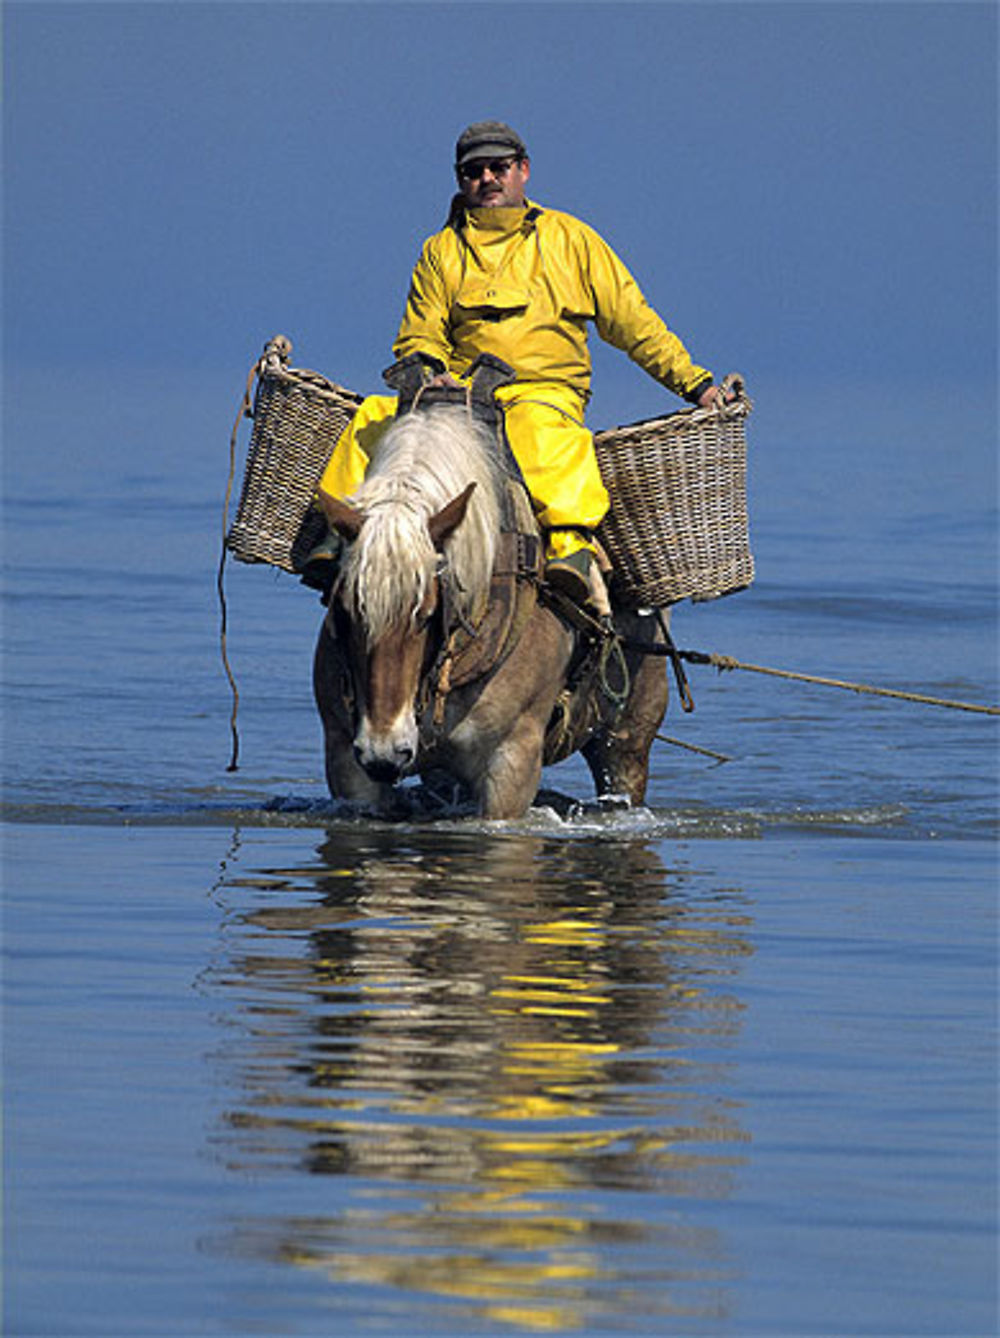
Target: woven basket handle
{"x": 277, "y": 352}
{"x": 733, "y": 382}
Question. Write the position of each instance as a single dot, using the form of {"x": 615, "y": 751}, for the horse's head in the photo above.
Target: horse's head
{"x": 386, "y": 612}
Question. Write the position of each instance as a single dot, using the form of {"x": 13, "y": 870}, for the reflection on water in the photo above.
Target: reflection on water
{"x": 497, "y": 1043}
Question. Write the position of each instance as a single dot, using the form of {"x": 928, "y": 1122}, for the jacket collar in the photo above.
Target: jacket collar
{"x": 458, "y": 215}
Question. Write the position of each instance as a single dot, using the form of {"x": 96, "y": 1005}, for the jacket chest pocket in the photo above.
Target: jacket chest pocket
{"x": 491, "y": 299}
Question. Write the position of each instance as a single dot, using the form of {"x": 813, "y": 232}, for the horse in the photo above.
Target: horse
{"x": 441, "y": 655}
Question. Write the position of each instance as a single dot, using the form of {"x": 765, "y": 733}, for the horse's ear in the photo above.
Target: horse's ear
{"x": 449, "y": 517}
{"x": 342, "y": 517}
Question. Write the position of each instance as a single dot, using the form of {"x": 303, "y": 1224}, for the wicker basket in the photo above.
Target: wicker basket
{"x": 298, "y": 417}
{"x": 677, "y": 527}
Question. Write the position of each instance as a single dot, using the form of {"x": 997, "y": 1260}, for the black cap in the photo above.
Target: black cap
{"x": 488, "y": 139}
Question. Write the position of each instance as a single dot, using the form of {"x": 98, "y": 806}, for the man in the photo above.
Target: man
{"x": 510, "y": 278}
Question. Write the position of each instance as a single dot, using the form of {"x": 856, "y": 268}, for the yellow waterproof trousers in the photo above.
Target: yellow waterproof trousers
{"x": 550, "y": 443}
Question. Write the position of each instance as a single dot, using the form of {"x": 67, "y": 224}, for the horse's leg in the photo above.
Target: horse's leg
{"x": 498, "y": 743}
{"x": 618, "y": 754}
{"x": 512, "y": 776}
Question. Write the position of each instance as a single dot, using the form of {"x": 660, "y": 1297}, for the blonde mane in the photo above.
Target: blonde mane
{"x": 423, "y": 461}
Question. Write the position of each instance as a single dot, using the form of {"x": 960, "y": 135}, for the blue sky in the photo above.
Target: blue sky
{"x": 805, "y": 191}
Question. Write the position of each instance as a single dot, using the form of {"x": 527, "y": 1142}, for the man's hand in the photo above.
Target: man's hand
{"x": 444, "y": 379}
{"x": 714, "y": 393}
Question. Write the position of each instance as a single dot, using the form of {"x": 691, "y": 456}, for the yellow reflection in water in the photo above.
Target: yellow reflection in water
{"x": 526, "y": 1039}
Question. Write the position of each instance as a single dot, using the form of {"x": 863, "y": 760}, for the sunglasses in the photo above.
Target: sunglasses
{"x": 499, "y": 167}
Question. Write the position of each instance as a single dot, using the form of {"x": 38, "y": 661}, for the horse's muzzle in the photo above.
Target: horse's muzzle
{"x": 386, "y": 770}
{"x": 386, "y": 757}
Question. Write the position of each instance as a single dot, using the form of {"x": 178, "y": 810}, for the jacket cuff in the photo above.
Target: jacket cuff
{"x": 429, "y": 360}
{"x": 694, "y": 395}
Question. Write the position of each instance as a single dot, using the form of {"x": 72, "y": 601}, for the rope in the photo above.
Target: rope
{"x": 245, "y": 411}
{"x": 612, "y": 646}
{"x": 726, "y": 662}
{"x": 693, "y": 748}
{"x": 443, "y": 686}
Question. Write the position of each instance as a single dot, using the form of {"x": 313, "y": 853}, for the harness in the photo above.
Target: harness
{"x": 470, "y": 651}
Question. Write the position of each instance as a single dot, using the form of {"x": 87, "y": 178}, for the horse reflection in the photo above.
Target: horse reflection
{"x": 501, "y": 1028}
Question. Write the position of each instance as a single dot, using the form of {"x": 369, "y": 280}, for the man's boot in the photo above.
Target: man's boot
{"x": 571, "y": 575}
{"x": 578, "y": 576}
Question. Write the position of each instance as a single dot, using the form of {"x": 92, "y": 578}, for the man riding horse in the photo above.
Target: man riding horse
{"x": 509, "y": 278}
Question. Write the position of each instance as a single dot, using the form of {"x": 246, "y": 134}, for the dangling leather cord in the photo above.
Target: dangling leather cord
{"x": 674, "y": 655}
{"x": 245, "y": 411}
{"x": 668, "y": 649}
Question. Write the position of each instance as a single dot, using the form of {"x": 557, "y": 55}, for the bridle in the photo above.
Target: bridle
{"x": 441, "y": 624}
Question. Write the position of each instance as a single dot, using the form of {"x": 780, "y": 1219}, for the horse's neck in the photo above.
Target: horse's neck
{"x": 421, "y": 465}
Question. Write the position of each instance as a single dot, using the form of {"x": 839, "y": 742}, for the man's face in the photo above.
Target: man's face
{"x": 493, "y": 183}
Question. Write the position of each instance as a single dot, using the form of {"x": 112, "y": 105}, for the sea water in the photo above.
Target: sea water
{"x": 723, "y": 1065}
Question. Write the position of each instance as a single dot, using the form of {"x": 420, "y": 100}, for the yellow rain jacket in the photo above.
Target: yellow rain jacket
{"x": 521, "y": 284}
